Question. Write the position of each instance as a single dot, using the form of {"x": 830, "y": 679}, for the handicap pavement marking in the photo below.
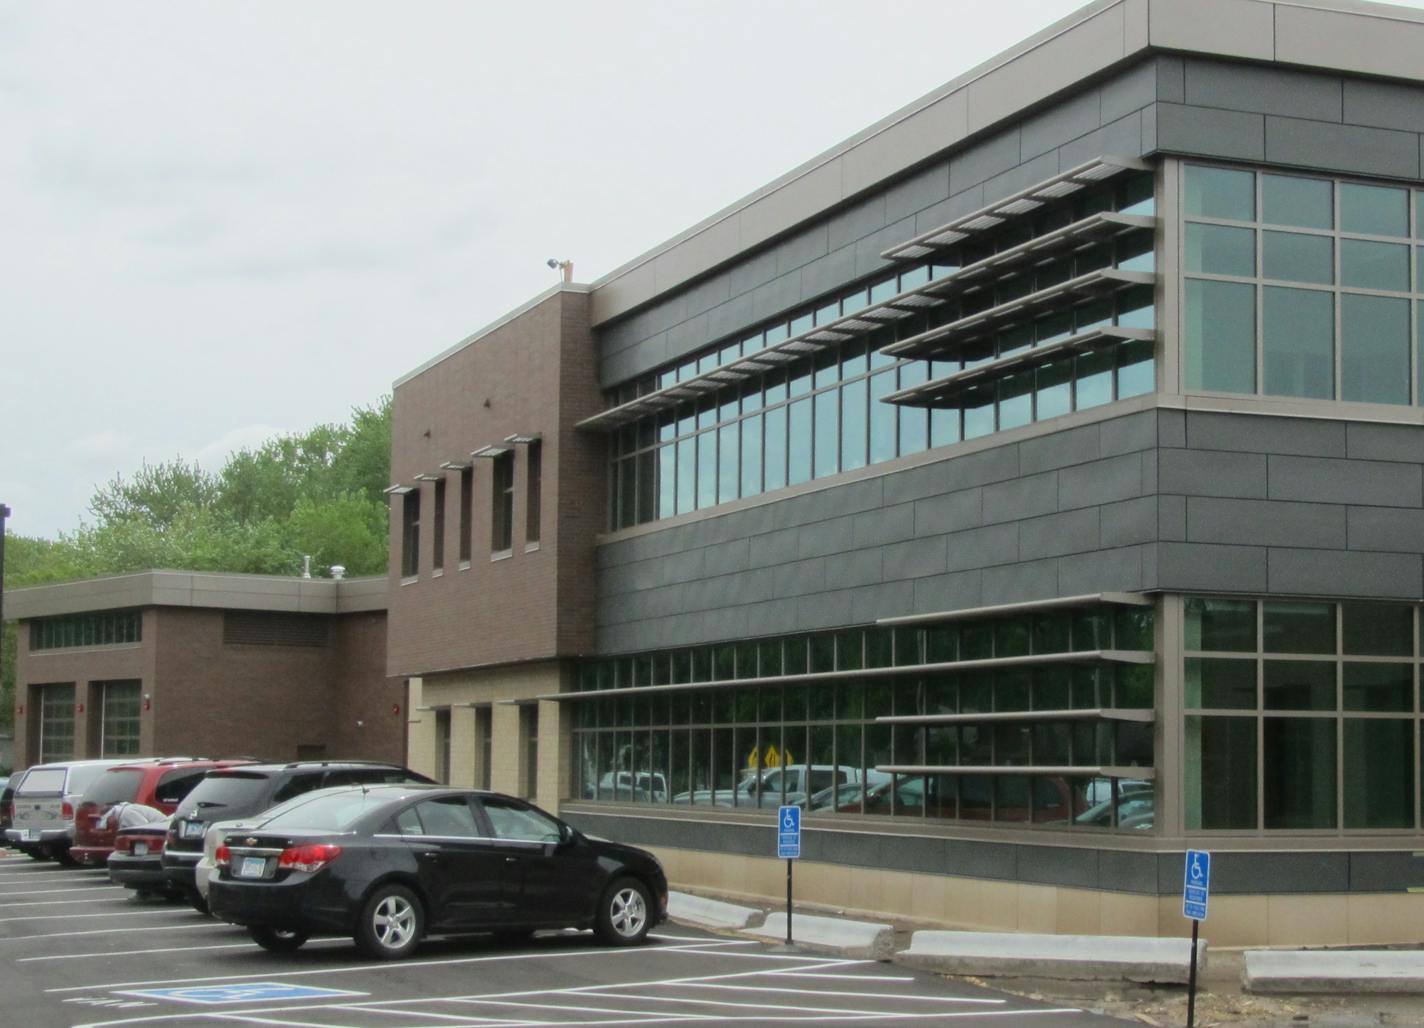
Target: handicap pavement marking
{"x": 245, "y": 992}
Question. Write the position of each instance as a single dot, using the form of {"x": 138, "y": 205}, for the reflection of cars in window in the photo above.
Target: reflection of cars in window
{"x": 1134, "y": 810}
{"x": 774, "y": 786}
{"x": 389, "y": 864}
{"x": 645, "y": 786}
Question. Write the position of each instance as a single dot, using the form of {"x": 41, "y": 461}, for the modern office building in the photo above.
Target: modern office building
{"x": 168, "y": 662}
{"x": 1031, "y": 487}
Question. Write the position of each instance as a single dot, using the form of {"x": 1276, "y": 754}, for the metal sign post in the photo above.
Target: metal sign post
{"x": 788, "y": 848}
{"x": 1196, "y": 890}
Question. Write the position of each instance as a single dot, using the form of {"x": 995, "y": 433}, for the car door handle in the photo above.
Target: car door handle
{"x": 511, "y": 860}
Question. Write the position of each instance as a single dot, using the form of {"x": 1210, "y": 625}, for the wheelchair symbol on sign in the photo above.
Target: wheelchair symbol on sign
{"x": 788, "y": 822}
{"x": 1196, "y": 869}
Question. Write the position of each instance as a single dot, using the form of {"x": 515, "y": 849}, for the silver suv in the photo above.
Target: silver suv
{"x": 43, "y": 808}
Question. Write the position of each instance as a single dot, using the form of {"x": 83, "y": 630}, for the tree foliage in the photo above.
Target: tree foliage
{"x": 316, "y": 493}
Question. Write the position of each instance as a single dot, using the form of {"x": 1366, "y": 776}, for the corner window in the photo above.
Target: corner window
{"x": 1300, "y": 286}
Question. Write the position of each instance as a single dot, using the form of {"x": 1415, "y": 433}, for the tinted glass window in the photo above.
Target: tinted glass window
{"x": 521, "y": 823}
{"x": 449, "y": 816}
{"x": 299, "y": 784}
{"x": 114, "y": 787}
{"x": 174, "y": 785}
{"x": 335, "y": 812}
{"x": 230, "y": 790}
{"x": 80, "y": 778}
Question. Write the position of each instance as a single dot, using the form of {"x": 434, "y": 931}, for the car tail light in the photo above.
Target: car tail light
{"x": 66, "y": 811}
{"x": 122, "y": 844}
{"x": 308, "y": 858}
{"x": 223, "y": 856}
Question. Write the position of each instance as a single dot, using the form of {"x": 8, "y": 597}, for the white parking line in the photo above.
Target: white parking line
{"x": 839, "y": 992}
{"x": 73, "y": 917}
{"x": 844, "y": 977}
{"x": 368, "y": 968}
{"x": 70, "y": 891}
{"x": 49, "y": 903}
{"x": 168, "y": 949}
{"x": 115, "y": 931}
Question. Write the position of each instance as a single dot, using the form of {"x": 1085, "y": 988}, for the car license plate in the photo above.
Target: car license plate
{"x": 192, "y": 829}
{"x": 252, "y": 867}
{"x": 32, "y": 834}
{"x": 140, "y": 849}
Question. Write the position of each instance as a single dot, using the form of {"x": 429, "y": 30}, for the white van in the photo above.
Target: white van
{"x": 42, "y": 812}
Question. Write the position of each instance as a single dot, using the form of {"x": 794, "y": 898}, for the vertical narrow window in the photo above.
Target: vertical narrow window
{"x": 410, "y": 534}
{"x": 467, "y": 511}
{"x": 437, "y": 549}
{"x": 529, "y": 732}
{"x": 502, "y": 521}
{"x": 442, "y": 745}
{"x": 533, "y": 470}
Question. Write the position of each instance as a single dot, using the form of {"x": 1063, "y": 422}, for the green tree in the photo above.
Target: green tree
{"x": 317, "y": 492}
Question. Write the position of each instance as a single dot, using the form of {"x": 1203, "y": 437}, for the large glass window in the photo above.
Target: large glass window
{"x": 757, "y": 740}
{"x": 792, "y": 421}
{"x": 56, "y": 734}
{"x": 1301, "y": 716}
{"x": 1310, "y": 280}
{"x": 109, "y": 628}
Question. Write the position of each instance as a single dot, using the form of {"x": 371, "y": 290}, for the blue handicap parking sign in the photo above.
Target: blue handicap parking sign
{"x": 1196, "y": 884}
{"x": 240, "y": 992}
{"x": 788, "y": 833}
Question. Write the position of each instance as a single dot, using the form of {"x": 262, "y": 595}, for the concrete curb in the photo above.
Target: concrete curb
{"x": 1089, "y": 957}
{"x": 1343, "y": 971}
{"x": 709, "y": 913}
{"x": 859, "y": 939}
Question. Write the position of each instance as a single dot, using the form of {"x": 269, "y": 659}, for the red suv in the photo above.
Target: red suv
{"x": 160, "y": 783}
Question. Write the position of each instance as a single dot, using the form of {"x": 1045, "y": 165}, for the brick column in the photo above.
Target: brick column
{"x": 555, "y": 748}
{"x": 420, "y": 733}
{"x": 462, "y": 746}
{"x": 506, "y": 753}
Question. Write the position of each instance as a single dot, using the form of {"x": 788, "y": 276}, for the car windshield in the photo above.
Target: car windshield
{"x": 335, "y": 812}
{"x": 228, "y": 790}
{"x": 114, "y": 786}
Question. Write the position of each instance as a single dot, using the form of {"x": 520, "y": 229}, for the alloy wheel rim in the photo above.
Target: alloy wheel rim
{"x": 394, "y": 922}
{"x": 628, "y": 912}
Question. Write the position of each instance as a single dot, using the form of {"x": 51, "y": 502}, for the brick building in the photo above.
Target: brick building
{"x": 1031, "y": 487}
{"x": 167, "y": 662}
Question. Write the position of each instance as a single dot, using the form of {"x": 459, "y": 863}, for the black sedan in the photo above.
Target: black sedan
{"x": 390, "y": 864}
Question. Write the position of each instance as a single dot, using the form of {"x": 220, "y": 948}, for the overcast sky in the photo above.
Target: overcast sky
{"x": 223, "y": 221}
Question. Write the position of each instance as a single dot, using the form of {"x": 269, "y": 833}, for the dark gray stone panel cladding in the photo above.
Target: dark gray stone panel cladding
{"x": 1159, "y": 499}
{"x": 1080, "y": 867}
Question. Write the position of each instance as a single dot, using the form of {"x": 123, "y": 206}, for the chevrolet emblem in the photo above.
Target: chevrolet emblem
{"x": 249, "y": 842}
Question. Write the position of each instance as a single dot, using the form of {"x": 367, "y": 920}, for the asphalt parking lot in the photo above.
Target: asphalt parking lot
{"x": 77, "y": 951}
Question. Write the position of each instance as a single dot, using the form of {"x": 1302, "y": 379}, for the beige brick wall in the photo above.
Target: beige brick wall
{"x": 492, "y": 689}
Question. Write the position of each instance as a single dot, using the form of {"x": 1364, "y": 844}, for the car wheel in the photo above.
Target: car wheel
{"x": 391, "y": 923}
{"x": 65, "y": 860}
{"x": 198, "y": 901}
{"x": 277, "y": 940}
{"x": 624, "y": 913}
{"x": 36, "y": 855}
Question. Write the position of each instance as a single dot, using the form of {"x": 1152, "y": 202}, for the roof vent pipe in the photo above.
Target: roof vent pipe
{"x": 338, "y": 571}
{"x": 306, "y": 566}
